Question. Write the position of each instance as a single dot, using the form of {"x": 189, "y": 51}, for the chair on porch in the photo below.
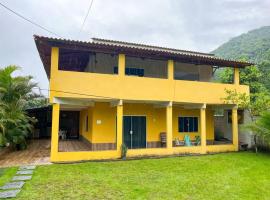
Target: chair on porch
{"x": 197, "y": 140}
{"x": 187, "y": 141}
{"x": 163, "y": 139}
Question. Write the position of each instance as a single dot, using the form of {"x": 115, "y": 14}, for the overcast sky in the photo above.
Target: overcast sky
{"x": 199, "y": 25}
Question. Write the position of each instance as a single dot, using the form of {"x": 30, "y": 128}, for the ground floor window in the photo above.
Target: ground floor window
{"x": 187, "y": 124}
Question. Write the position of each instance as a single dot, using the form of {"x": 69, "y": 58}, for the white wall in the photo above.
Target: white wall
{"x": 221, "y": 123}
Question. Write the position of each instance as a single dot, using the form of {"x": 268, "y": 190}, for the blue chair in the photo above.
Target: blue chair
{"x": 187, "y": 140}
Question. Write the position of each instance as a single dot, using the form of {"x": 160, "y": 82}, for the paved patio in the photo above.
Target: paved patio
{"x": 37, "y": 153}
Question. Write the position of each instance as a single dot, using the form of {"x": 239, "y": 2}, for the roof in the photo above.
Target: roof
{"x": 147, "y": 47}
{"x": 44, "y": 45}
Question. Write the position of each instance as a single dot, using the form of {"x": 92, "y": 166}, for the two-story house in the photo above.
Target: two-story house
{"x": 157, "y": 101}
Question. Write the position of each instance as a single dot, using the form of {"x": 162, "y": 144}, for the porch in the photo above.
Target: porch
{"x": 104, "y": 125}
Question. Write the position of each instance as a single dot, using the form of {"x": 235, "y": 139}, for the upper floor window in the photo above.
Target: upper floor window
{"x": 146, "y": 67}
{"x": 191, "y": 72}
{"x": 84, "y": 61}
{"x": 131, "y": 71}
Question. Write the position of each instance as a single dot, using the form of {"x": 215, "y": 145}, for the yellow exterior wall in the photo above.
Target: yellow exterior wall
{"x": 120, "y": 87}
{"x": 155, "y": 119}
{"x": 105, "y": 132}
{"x": 177, "y": 112}
{"x": 210, "y": 132}
{"x": 86, "y": 134}
{"x": 139, "y": 88}
{"x": 102, "y": 123}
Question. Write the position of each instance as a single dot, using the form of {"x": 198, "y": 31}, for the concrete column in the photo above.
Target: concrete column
{"x": 119, "y": 131}
{"x": 235, "y": 128}
{"x": 54, "y": 61}
{"x": 170, "y": 69}
{"x": 121, "y": 64}
{"x": 203, "y": 127}
{"x": 236, "y": 76}
{"x": 169, "y": 125}
{"x": 54, "y": 133}
{"x": 54, "y": 70}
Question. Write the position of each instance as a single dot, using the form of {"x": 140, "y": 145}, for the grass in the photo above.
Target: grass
{"x": 222, "y": 176}
{"x": 6, "y": 174}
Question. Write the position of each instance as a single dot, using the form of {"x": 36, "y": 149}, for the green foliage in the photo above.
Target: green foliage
{"x": 37, "y": 102}
{"x": 124, "y": 150}
{"x": 15, "y": 92}
{"x": 240, "y": 99}
{"x": 253, "y": 46}
{"x": 251, "y": 76}
{"x": 261, "y": 126}
{"x": 264, "y": 67}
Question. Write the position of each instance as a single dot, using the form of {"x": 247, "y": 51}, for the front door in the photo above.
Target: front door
{"x": 135, "y": 131}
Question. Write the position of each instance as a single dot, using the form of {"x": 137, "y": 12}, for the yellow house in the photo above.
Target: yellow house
{"x": 157, "y": 101}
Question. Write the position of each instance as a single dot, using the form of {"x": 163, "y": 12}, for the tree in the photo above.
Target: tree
{"x": 251, "y": 76}
{"x": 255, "y": 108}
{"x": 15, "y": 92}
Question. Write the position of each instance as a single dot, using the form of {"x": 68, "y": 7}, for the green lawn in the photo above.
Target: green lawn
{"x": 222, "y": 176}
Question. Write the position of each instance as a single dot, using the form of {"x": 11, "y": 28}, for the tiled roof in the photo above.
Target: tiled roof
{"x": 141, "y": 50}
{"x": 147, "y": 47}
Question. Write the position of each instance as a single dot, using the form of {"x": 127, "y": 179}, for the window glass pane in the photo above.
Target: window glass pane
{"x": 180, "y": 124}
{"x": 115, "y": 70}
{"x": 127, "y": 72}
{"x": 141, "y": 72}
{"x": 191, "y": 124}
{"x": 132, "y": 71}
{"x": 195, "y": 124}
{"x": 186, "y": 124}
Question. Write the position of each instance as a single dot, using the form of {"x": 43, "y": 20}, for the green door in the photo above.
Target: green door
{"x": 135, "y": 131}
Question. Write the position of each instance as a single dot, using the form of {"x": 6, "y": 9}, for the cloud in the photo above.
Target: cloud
{"x": 193, "y": 25}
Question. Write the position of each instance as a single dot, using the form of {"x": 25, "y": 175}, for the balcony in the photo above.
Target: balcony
{"x": 113, "y": 86}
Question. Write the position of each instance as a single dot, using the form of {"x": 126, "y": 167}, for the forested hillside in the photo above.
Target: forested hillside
{"x": 253, "y": 46}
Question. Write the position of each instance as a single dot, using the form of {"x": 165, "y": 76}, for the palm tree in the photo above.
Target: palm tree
{"x": 15, "y": 92}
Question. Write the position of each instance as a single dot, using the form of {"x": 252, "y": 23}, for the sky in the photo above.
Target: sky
{"x": 198, "y": 25}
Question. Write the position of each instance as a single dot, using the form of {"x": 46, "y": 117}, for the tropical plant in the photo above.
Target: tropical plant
{"x": 124, "y": 150}
{"x": 261, "y": 127}
{"x": 15, "y": 92}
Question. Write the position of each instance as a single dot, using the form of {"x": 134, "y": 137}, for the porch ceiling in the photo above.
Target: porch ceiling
{"x": 82, "y": 103}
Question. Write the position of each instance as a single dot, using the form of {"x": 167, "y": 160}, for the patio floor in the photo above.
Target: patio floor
{"x": 37, "y": 153}
{"x": 73, "y": 145}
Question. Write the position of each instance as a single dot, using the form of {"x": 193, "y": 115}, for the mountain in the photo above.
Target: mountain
{"x": 253, "y": 46}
